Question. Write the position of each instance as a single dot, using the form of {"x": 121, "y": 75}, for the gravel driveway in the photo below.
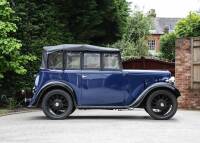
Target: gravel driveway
{"x": 100, "y": 126}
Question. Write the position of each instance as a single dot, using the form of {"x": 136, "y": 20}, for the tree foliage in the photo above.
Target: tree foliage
{"x": 96, "y": 21}
{"x": 167, "y": 45}
{"x": 131, "y": 49}
{"x": 39, "y": 25}
{"x": 11, "y": 58}
{"x": 133, "y": 42}
{"x": 189, "y": 26}
{"x": 51, "y": 22}
{"x": 137, "y": 27}
{"x": 67, "y": 21}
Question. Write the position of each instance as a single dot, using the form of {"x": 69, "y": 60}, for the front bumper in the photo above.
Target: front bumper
{"x": 27, "y": 101}
{"x": 27, "y": 94}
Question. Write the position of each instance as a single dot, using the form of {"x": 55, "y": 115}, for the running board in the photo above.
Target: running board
{"x": 103, "y": 107}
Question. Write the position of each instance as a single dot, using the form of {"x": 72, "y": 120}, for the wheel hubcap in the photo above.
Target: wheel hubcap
{"x": 56, "y": 104}
{"x": 161, "y": 104}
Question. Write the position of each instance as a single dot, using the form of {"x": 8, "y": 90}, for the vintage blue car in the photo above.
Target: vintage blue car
{"x": 75, "y": 76}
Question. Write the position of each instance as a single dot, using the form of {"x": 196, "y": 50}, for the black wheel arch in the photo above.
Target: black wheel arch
{"x": 52, "y": 86}
{"x": 157, "y": 86}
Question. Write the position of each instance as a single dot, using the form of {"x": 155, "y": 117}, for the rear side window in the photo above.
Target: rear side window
{"x": 43, "y": 60}
{"x": 91, "y": 61}
{"x": 55, "y": 60}
{"x": 111, "y": 61}
{"x": 73, "y": 60}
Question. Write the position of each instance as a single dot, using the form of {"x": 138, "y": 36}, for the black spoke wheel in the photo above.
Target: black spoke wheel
{"x": 161, "y": 105}
{"x": 57, "y": 104}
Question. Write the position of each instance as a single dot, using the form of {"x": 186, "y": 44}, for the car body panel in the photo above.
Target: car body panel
{"x": 101, "y": 88}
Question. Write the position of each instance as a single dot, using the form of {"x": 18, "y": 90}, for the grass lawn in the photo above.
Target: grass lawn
{"x": 3, "y": 111}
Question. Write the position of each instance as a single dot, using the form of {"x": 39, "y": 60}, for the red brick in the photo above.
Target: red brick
{"x": 190, "y": 99}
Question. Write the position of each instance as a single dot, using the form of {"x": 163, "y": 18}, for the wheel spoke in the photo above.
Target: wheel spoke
{"x": 161, "y": 104}
{"x": 60, "y": 108}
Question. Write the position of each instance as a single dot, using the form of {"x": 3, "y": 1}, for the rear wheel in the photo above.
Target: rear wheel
{"x": 74, "y": 108}
{"x": 161, "y": 105}
{"x": 145, "y": 108}
{"x": 57, "y": 104}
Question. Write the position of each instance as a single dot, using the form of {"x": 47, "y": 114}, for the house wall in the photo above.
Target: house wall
{"x": 155, "y": 37}
{"x": 190, "y": 97}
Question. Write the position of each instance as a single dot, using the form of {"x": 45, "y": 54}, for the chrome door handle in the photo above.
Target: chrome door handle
{"x": 84, "y": 76}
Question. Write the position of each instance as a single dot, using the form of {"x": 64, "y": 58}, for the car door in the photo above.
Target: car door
{"x": 72, "y": 72}
{"x": 102, "y": 80}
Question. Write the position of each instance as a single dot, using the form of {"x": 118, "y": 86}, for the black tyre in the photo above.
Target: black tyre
{"x": 74, "y": 108}
{"x": 57, "y": 104}
{"x": 161, "y": 105}
{"x": 145, "y": 109}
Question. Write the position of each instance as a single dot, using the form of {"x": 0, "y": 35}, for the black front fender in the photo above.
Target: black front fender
{"x": 154, "y": 87}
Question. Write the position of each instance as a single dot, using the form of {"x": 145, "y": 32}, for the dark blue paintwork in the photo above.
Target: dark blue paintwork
{"x": 101, "y": 88}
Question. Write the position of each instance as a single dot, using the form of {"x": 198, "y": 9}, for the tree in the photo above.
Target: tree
{"x": 189, "y": 26}
{"x": 96, "y": 21}
{"x": 66, "y": 21}
{"x": 131, "y": 49}
{"x": 41, "y": 23}
{"x": 137, "y": 27}
{"x": 167, "y": 44}
{"x": 133, "y": 43}
{"x": 10, "y": 48}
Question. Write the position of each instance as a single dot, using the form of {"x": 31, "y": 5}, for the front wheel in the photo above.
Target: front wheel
{"x": 161, "y": 105}
{"x": 57, "y": 104}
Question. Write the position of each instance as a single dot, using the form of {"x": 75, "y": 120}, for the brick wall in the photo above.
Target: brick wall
{"x": 190, "y": 98}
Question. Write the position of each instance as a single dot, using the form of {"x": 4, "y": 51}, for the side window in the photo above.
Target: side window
{"x": 91, "y": 61}
{"x": 43, "y": 60}
{"x": 111, "y": 61}
{"x": 73, "y": 60}
{"x": 55, "y": 60}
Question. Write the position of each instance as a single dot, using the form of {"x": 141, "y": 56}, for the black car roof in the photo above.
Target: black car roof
{"x": 79, "y": 47}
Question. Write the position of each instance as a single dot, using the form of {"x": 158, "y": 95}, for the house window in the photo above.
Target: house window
{"x": 151, "y": 44}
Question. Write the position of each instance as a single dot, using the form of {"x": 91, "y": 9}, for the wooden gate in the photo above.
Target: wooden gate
{"x": 148, "y": 63}
{"x": 195, "y": 48}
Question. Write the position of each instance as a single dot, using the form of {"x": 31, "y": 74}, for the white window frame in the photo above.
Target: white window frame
{"x": 152, "y": 45}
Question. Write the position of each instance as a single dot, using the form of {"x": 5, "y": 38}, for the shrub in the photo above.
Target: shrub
{"x": 167, "y": 46}
{"x": 189, "y": 26}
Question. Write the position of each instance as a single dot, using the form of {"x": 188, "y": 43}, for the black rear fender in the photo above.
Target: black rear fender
{"x": 52, "y": 86}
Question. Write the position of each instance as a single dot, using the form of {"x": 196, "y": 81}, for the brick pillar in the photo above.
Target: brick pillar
{"x": 190, "y": 99}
